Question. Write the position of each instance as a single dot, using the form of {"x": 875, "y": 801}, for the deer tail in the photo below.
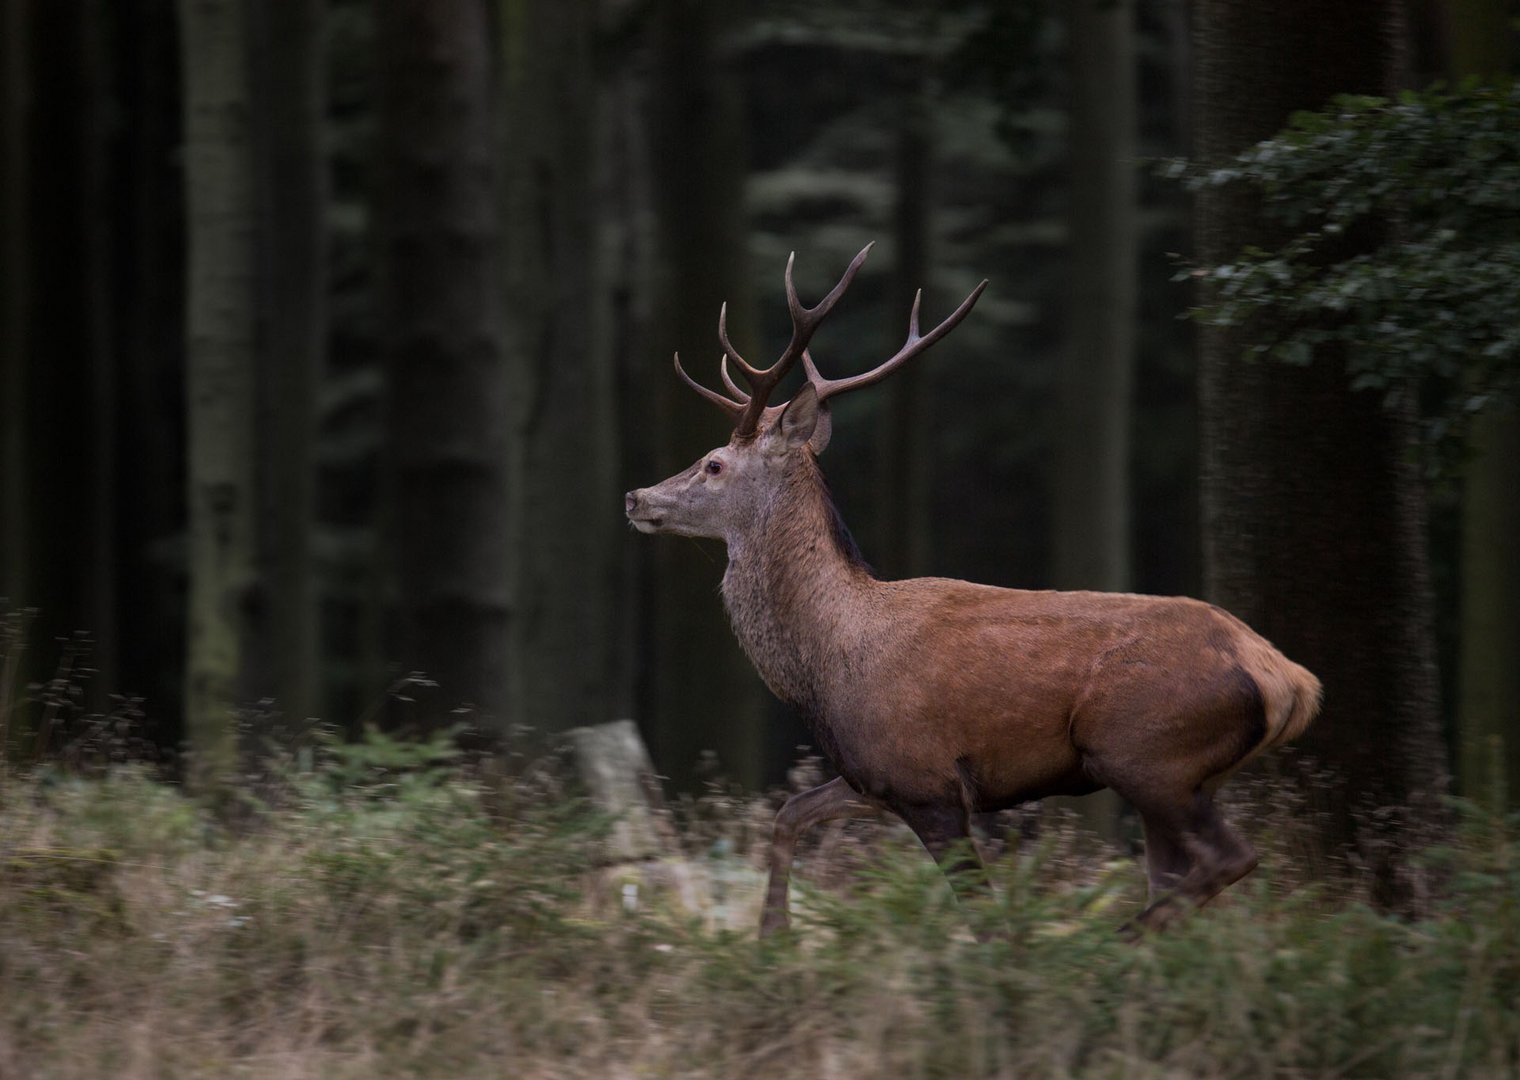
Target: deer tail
{"x": 1292, "y": 697}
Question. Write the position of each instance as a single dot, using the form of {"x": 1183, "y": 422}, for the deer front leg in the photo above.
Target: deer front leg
{"x": 941, "y": 827}
{"x": 836, "y": 799}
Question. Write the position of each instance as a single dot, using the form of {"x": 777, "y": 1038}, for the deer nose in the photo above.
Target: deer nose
{"x": 630, "y": 501}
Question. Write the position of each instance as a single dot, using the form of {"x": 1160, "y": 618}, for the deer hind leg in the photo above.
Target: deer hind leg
{"x": 1166, "y": 859}
{"x": 1216, "y": 856}
{"x": 802, "y": 811}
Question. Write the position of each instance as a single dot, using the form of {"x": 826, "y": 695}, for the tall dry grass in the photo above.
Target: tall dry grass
{"x": 391, "y": 912}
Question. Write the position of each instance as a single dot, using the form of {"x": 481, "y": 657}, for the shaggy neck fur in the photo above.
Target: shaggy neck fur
{"x": 794, "y": 588}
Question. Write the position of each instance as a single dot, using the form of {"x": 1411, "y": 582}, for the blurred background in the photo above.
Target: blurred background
{"x": 332, "y": 331}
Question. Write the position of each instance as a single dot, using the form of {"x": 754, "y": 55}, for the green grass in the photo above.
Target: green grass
{"x": 387, "y": 915}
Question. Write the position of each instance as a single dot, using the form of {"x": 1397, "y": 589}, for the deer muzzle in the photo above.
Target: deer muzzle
{"x": 635, "y": 505}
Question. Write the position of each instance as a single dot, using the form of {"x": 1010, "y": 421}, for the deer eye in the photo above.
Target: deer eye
{"x": 714, "y": 467}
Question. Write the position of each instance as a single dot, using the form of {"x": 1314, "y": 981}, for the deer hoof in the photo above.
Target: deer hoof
{"x": 1157, "y": 917}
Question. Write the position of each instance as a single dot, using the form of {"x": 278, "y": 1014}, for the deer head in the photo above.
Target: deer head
{"x": 731, "y": 486}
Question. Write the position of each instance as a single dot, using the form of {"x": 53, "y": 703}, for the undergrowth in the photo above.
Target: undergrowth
{"x": 400, "y": 911}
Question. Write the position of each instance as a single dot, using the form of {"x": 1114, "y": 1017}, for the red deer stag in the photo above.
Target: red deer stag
{"x": 937, "y": 699}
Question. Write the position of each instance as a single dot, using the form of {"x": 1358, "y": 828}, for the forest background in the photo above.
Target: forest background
{"x": 332, "y": 332}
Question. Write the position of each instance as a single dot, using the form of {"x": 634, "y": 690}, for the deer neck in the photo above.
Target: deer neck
{"x": 795, "y": 589}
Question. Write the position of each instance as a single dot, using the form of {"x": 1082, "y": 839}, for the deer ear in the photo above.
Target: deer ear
{"x": 822, "y": 430}
{"x": 800, "y": 421}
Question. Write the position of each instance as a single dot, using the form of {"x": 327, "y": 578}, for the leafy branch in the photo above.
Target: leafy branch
{"x": 1429, "y": 294}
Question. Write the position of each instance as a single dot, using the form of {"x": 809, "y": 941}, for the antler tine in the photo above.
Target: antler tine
{"x": 915, "y": 344}
{"x": 750, "y": 372}
{"x": 805, "y": 321}
{"x": 728, "y": 381}
{"x": 735, "y": 409}
{"x": 810, "y": 370}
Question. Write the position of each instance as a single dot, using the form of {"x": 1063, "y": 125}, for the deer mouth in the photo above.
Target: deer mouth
{"x": 646, "y": 524}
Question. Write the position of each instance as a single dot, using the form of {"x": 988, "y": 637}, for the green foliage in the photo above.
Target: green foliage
{"x": 450, "y": 924}
{"x": 378, "y": 765}
{"x": 1400, "y": 225}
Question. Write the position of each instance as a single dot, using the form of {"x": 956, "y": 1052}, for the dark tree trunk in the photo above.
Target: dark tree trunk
{"x": 150, "y": 289}
{"x": 1488, "y": 676}
{"x": 565, "y": 643}
{"x": 89, "y": 338}
{"x": 60, "y": 378}
{"x": 103, "y": 356}
{"x": 447, "y": 426}
{"x": 15, "y": 116}
{"x": 288, "y": 85}
{"x": 704, "y": 694}
{"x": 905, "y": 458}
{"x": 624, "y": 192}
{"x": 1091, "y": 544}
{"x": 1313, "y": 512}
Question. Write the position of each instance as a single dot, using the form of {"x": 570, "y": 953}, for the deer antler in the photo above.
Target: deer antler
{"x": 916, "y": 343}
{"x": 735, "y": 409}
{"x": 749, "y": 409}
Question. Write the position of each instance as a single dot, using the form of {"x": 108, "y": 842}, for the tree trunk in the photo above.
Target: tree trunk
{"x": 624, "y": 194}
{"x": 703, "y": 693}
{"x": 149, "y": 296}
{"x": 15, "y": 116}
{"x": 220, "y": 317}
{"x": 288, "y": 73}
{"x": 81, "y": 267}
{"x": 1090, "y": 519}
{"x": 567, "y": 509}
{"x": 1091, "y": 544}
{"x": 448, "y": 426}
{"x": 905, "y": 458}
{"x": 1488, "y": 687}
{"x": 1313, "y": 511}
{"x": 59, "y": 378}
{"x": 99, "y": 610}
